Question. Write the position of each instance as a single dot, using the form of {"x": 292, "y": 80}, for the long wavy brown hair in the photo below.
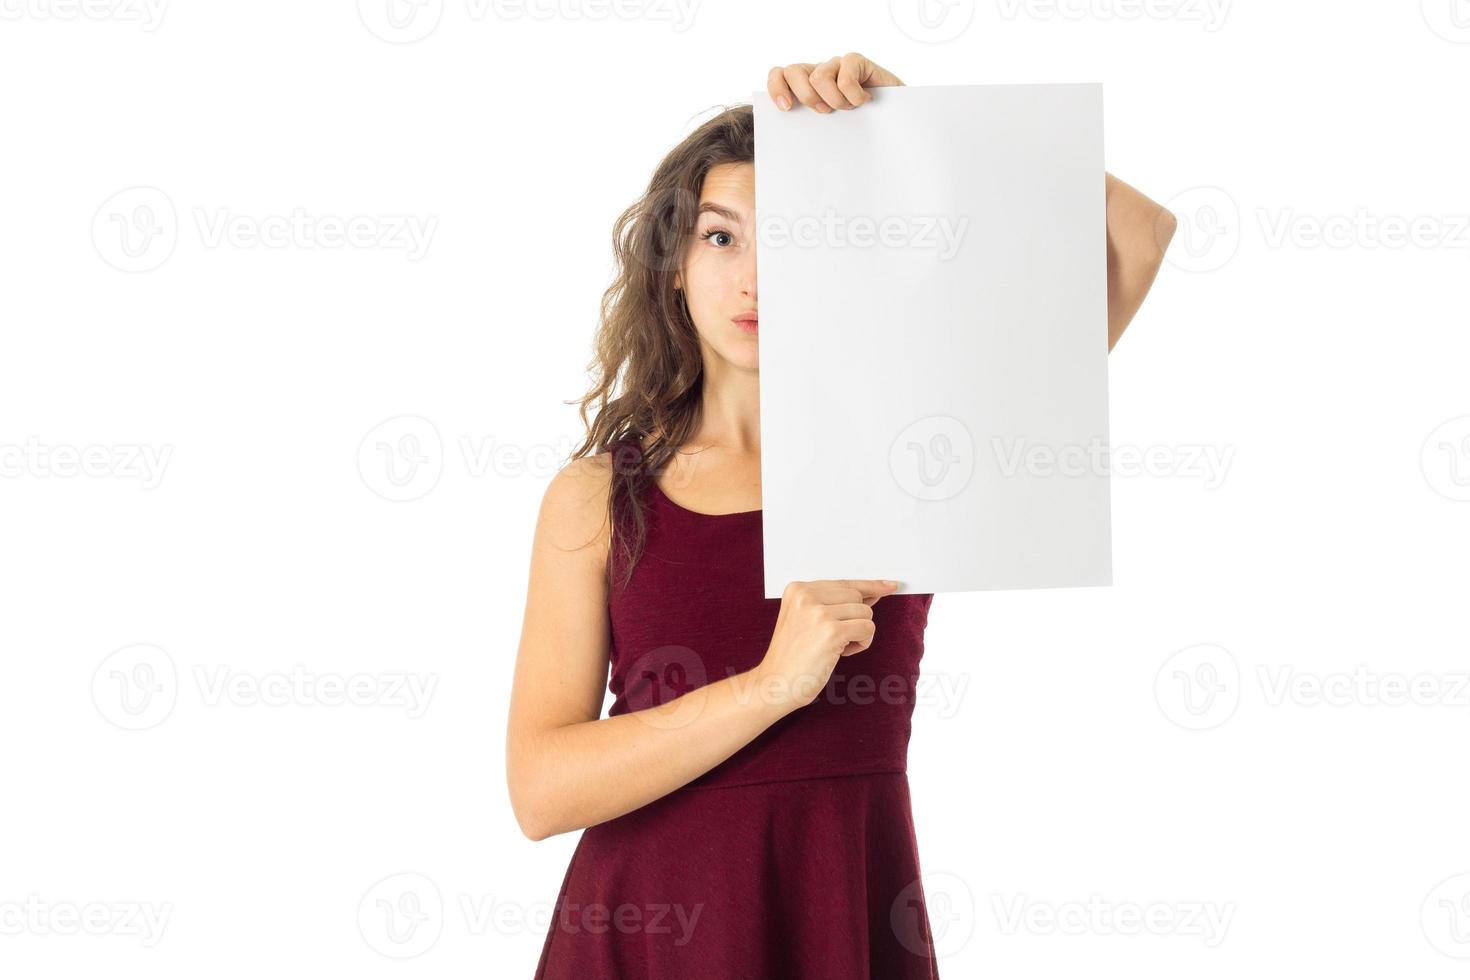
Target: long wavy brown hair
{"x": 647, "y": 373}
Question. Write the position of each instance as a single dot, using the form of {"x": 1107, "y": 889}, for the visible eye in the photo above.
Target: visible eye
{"x": 720, "y": 232}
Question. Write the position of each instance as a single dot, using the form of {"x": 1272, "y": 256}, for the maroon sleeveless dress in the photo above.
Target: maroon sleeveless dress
{"x": 795, "y": 859}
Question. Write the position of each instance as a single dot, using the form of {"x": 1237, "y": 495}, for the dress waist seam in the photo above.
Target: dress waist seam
{"x": 903, "y": 771}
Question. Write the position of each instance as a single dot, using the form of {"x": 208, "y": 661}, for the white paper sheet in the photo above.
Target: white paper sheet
{"x": 933, "y": 339}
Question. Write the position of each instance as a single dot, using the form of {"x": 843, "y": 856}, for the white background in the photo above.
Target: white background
{"x": 1072, "y": 769}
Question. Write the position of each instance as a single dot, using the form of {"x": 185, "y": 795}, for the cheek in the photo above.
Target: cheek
{"x": 708, "y": 281}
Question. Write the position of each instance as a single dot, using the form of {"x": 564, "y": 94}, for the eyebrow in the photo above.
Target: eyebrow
{"x": 719, "y": 209}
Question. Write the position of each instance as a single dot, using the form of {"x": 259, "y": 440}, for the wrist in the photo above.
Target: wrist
{"x": 771, "y": 692}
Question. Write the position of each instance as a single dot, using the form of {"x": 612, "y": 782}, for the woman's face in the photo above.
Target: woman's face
{"x": 718, "y": 274}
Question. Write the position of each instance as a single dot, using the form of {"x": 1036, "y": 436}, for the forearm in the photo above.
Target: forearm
{"x": 590, "y": 772}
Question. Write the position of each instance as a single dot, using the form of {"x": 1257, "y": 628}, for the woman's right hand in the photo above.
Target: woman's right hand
{"x": 818, "y": 623}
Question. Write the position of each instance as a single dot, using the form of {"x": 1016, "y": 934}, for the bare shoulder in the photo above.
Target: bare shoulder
{"x": 574, "y": 508}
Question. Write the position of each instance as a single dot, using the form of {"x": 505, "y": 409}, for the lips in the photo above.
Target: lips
{"x": 748, "y": 322}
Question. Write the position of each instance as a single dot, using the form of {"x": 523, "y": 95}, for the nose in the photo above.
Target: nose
{"x": 748, "y": 273}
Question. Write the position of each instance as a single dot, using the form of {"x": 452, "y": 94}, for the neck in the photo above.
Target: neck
{"x": 730, "y": 407}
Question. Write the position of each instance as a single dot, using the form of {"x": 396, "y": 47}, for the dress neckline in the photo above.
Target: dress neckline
{"x": 658, "y": 491}
{"x": 695, "y": 513}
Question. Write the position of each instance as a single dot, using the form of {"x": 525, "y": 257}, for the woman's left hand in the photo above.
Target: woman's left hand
{"x": 834, "y": 84}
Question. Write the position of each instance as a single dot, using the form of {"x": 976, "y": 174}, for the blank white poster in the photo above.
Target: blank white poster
{"x": 933, "y": 339}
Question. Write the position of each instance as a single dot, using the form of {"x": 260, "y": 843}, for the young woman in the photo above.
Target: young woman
{"x": 746, "y": 802}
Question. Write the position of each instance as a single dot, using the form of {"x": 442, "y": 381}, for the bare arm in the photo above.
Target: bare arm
{"x": 1138, "y": 233}
{"x": 566, "y": 767}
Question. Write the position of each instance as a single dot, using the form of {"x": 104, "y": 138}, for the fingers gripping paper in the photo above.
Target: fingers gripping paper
{"x": 933, "y": 339}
